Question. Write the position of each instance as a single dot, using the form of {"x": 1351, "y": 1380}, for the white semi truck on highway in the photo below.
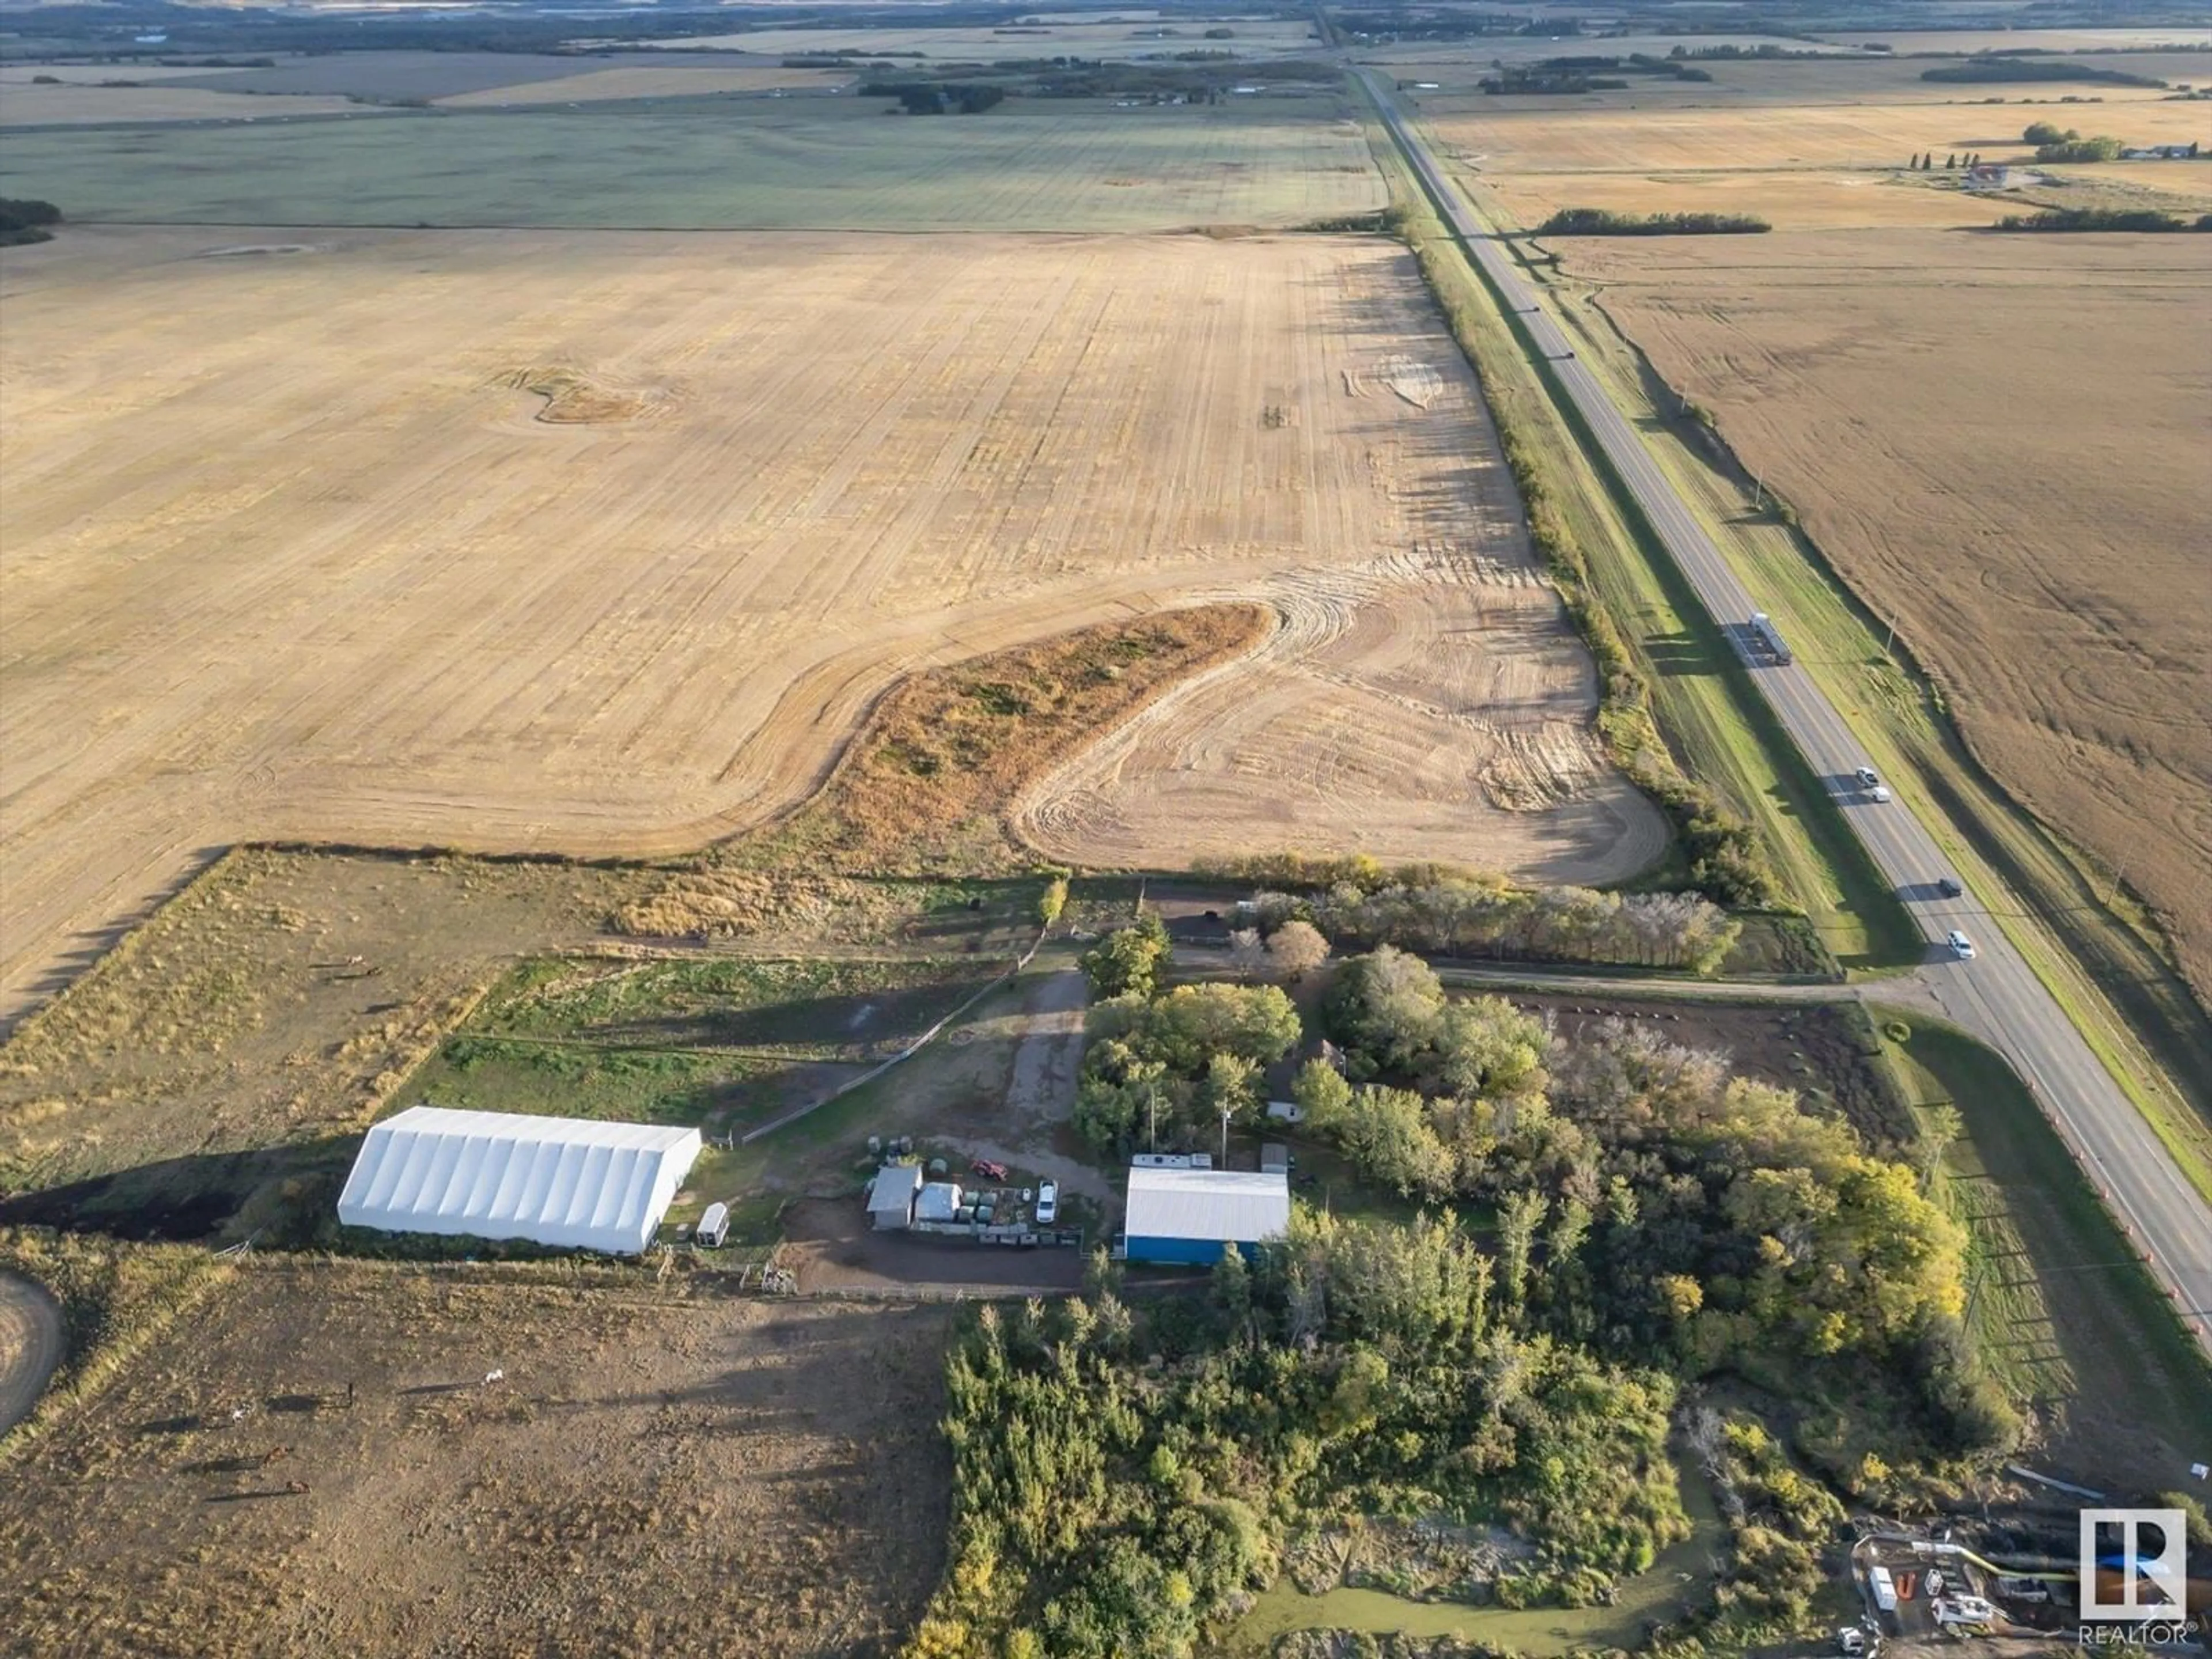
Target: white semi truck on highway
{"x": 1770, "y": 636}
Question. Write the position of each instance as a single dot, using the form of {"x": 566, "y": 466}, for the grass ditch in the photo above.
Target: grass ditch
{"x": 2062, "y": 1307}
{"x": 1680, "y": 716}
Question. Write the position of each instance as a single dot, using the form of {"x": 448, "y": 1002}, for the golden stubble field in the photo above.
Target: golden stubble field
{"x": 1807, "y": 146}
{"x": 311, "y": 1461}
{"x": 522, "y": 540}
{"x": 2002, "y": 440}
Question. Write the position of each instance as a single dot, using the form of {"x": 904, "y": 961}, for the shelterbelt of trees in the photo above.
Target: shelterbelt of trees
{"x": 1606, "y": 1226}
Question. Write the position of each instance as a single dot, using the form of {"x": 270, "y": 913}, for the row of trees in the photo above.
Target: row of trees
{"x": 2000, "y": 70}
{"x": 1447, "y": 910}
{"x": 1599, "y": 222}
{"x": 2134, "y": 219}
{"x": 937, "y": 97}
{"x": 1460, "y": 917}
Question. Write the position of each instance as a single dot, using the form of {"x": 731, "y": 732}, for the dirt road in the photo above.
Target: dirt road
{"x": 1043, "y": 1086}
{"x": 30, "y": 1347}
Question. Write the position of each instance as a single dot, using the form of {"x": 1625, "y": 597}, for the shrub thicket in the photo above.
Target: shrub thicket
{"x": 2101, "y": 219}
{"x": 23, "y": 220}
{"x": 1598, "y": 221}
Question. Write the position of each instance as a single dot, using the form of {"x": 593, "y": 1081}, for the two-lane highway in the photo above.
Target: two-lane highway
{"x": 1996, "y": 996}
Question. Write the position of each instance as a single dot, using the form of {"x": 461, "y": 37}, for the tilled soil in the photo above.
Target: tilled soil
{"x": 294, "y": 554}
{"x": 315, "y": 1463}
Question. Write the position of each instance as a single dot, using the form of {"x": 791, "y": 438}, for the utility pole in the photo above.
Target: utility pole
{"x": 1890, "y": 650}
{"x": 1225, "y": 1109}
{"x": 2119, "y": 876}
{"x": 1153, "y": 1117}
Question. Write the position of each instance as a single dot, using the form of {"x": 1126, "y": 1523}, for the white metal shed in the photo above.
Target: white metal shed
{"x": 556, "y": 1180}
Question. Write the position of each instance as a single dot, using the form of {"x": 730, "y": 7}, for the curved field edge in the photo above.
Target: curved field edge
{"x": 929, "y": 778}
{"x": 31, "y": 1344}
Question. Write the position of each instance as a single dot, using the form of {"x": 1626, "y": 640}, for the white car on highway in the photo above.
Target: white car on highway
{"x": 1961, "y": 946}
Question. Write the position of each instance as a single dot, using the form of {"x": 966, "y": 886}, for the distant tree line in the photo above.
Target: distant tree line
{"x": 1598, "y": 221}
{"x": 937, "y": 97}
{"x": 23, "y": 220}
{"x": 2141, "y": 219}
{"x": 1637, "y": 63}
{"x": 1989, "y": 70}
{"x": 1547, "y": 82}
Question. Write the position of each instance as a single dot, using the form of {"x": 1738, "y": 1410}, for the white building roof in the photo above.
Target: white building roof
{"x": 896, "y": 1184}
{"x": 557, "y": 1181}
{"x": 939, "y": 1201}
{"x": 1221, "y": 1206}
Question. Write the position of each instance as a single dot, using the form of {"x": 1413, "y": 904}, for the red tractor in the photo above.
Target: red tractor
{"x": 989, "y": 1169}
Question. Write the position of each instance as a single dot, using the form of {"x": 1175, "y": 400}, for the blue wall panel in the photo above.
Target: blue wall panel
{"x": 1195, "y": 1252}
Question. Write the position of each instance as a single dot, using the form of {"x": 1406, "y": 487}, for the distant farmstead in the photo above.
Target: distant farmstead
{"x": 568, "y": 1183}
{"x": 1194, "y": 1215}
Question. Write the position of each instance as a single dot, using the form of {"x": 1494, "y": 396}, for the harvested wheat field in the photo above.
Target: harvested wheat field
{"x": 83, "y": 105}
{"x": 596, "y": 85}
{"x": 1797, "y": 199}
{"x": 522, "y": 540}
{"x": 1420, "y": 701}
{"x": 2001, "y": 440}
{"x": 1757, "y": 137}
{"x": 657, "y": 1471}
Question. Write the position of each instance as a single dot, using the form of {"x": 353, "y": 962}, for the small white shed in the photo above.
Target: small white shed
{"x": 891, "y": 1198}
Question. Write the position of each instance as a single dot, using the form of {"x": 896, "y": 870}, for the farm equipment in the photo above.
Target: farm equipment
{"x": 989, "y": 1169}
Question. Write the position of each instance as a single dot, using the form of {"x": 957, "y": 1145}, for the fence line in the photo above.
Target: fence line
{"x": 905, "y": 1053}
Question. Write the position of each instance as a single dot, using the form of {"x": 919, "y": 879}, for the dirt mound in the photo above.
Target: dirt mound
{"x": 574, "y": 399}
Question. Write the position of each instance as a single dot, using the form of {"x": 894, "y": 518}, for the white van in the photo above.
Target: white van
{"x": 713, "y": 1226}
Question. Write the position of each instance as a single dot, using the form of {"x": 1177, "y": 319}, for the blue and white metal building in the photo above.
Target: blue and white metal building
{"x": 1192, "y": 1215}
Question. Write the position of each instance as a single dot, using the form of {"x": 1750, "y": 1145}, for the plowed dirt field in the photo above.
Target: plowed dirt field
{"x": 313, "y": 1462}
{"x": 1999, "y": 439}
{"x": 529, "y": 540}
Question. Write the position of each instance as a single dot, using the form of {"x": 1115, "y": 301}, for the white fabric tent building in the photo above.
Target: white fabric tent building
{"x": 559, "y": 1181}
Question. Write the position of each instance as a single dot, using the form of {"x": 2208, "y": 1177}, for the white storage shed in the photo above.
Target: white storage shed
{"x": 563, "y": 1182}
{"x": 890, "y": 1199}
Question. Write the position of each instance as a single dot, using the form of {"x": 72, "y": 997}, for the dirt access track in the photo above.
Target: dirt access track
{"x": 657, "y": 1472}
{"x": 528, "y": 540}
{"x": 30, "y": 1347}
